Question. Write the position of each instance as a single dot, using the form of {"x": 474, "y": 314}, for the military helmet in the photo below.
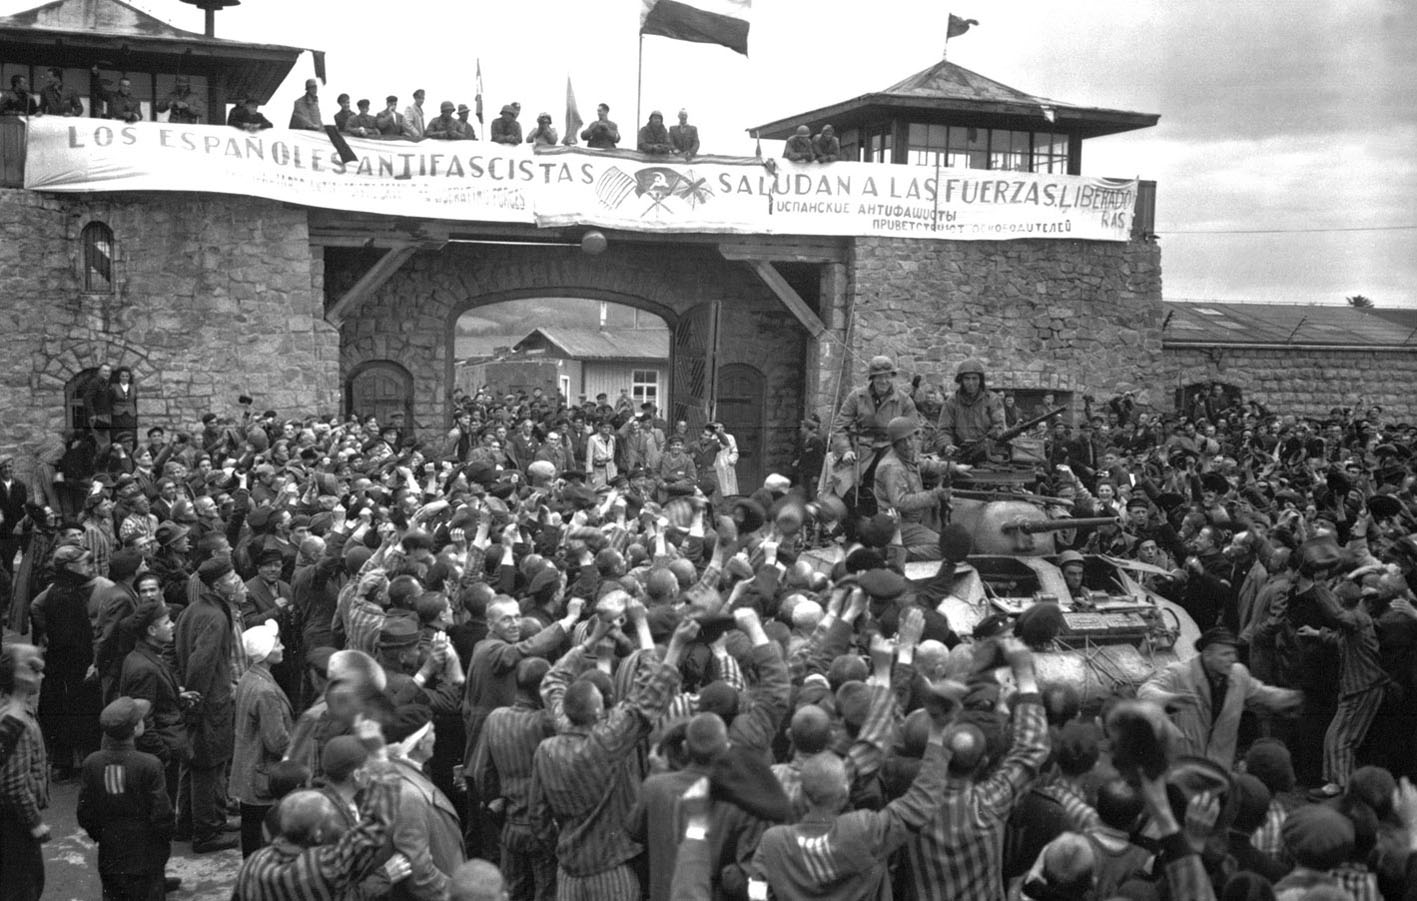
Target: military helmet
{"x": 967, "y": 367}
{"x": 881, "y": 365}
{"x": 1069, "y": 557}
{"x": 901, "y": 427}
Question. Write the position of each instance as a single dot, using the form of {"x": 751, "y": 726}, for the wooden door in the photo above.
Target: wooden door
{"x": 694, "y": 353}
{"x": 742, "y": 409}
{"x": 383, "y": 389}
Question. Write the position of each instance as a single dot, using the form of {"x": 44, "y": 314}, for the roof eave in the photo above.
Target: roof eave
{"x": 1087, "y": 121}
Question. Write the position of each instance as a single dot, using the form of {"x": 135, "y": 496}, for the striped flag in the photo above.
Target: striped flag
{"x": 478, "y": 102}
{"x": 722, "y": 22}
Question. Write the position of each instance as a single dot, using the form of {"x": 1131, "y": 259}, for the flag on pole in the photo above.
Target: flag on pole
{"x": 958, "y": 26}
{"x": 573, "y": 116}
{"x": 319, "y": 56}
{"x": 722, "y": 22}
{"x": 478, "y": 102}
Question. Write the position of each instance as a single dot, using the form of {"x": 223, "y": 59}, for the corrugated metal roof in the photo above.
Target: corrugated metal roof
{"x": 589, "y": 344}
{"x": 1222, "y": 322}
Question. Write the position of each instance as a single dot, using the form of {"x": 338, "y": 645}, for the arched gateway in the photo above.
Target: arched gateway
{"x": 723, "y": 315}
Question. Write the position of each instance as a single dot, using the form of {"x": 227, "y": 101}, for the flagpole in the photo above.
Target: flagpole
{"x": 639, "y": 79}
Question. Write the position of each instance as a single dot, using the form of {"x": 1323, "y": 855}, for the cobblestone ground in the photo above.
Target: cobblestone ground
{"x": 71, "y": 860}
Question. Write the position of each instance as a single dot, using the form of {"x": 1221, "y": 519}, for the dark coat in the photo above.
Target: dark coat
{"x": 123, "y": 805}
{"x": 205, "y": 638}
{"x": 150, "y": 678}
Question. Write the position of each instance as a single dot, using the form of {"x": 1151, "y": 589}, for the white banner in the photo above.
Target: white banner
{"x": 476, "y": 181}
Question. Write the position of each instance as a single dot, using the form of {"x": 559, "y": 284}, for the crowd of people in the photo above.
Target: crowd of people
{"x": 184, "y": 105}
{"x": 559, "y": 652}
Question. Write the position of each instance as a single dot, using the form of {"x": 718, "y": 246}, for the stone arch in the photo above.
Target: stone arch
{"x": 411, "y": 317}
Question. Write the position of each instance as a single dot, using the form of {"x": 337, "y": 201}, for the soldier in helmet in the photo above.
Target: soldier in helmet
{"x": 899, "y": 486}
{"x": 971, "y": 416}
{"x": 859, "y": 430}
{"x": 1072, "y": 564}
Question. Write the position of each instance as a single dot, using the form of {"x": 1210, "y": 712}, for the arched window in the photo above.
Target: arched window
{"x": 98, "y": 258}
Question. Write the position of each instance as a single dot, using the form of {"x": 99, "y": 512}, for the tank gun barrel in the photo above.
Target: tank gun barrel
{"x": 1059, "y": 525}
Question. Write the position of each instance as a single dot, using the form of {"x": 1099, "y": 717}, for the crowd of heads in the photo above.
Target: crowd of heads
{"x": 683, "y": 614}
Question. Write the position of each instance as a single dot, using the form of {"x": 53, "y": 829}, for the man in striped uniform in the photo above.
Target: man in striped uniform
{"x": 585, "y": 780}
{"x": 307, "y": 863}
{"x": 501, "y": 768}
{"x": 959, "y": 853}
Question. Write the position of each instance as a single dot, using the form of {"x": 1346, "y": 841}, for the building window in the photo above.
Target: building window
{"x": 644, "y": 386}
{"x": 1050, "y": 153}
{"x": 960, "y": 147}
{"x": 98, "y": 258}
{"x": 876, "y": 143}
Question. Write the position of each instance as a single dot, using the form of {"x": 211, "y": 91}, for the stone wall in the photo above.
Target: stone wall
{"x": 213, "y": 296}
{"x": 1303, "y": 381}
{"x": 410, "y": 318}
{"x": 1069, "y": 315}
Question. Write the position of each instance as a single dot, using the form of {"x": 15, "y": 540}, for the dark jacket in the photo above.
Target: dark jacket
{"x": 123, "y": 806}
{"x": 148, "y": 677}
{"x": 205, "y": 639}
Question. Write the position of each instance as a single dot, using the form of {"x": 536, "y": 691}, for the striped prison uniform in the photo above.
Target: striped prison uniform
{"x": 844, "y": 857}
{"x": 1361, "y": 683}
{"x": 285, "y": 871}
{"x": 586, "y": 779}
{"x": 959, "y": 854}
{"x": 501, "y": 768}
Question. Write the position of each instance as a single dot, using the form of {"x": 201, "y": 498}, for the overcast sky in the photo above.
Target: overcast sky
{"x": 1294, "y": 121}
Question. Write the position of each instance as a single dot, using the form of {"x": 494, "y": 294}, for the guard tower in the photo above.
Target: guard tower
{"x": 948, "y": 116}
{"x": 122, "y": 41}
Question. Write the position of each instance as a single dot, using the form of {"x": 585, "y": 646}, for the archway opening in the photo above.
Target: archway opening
{"x": 575, "y": 351}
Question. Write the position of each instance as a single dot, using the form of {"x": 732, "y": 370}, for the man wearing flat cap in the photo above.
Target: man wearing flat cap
{"x": 469, "y": 133}
{"x": 390, "y": 121}
{"x": 206, "y": 641}
{"x": 123, "y": 806}
{"x": 306, "y": 114}
{"x": 1206, "y": 695}
{"x": 505, "y": 129}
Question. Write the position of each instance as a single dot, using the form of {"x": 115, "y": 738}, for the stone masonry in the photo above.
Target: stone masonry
{"x": 410, "y": 319}
{"x": 1068, "y": 315}
{"x": 1303, "y": 381}
{"x": 213, "y": 296}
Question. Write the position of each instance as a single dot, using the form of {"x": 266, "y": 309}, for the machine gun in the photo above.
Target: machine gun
{"x": 980, "y": 451}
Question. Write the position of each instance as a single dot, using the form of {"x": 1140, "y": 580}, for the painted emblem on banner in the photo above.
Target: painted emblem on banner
{"x": 661, "y": 188}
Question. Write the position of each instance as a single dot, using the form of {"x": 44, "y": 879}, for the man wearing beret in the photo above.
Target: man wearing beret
{"x": 205, "y": 641}
{"x": 123, "y": 805}
{"x": 1206, "y": 695}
